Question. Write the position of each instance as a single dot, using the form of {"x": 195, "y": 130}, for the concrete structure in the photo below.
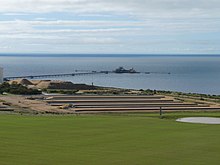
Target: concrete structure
{"x": 120, "y": 104}
{"x": 1, "y": 75}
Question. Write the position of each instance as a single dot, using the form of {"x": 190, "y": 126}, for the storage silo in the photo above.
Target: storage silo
{"x": 1, "y": 75}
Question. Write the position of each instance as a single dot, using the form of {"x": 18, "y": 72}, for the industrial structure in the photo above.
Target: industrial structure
{"x": 1, "y": 75}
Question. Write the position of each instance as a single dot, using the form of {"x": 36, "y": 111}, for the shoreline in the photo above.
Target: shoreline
{"x": 68, "y": 98}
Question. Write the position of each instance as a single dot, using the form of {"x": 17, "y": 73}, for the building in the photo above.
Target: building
{"x": 1, "y": 75}
{"x": 123, "y": 70}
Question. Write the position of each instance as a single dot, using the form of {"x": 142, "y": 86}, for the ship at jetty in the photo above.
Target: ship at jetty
{"x": 123, "y": 70}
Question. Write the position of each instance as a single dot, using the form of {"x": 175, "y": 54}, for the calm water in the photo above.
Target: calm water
{"x": 188, "y": 74}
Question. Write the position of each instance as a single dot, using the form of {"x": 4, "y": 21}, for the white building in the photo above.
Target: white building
{"x": 1, "y": 75}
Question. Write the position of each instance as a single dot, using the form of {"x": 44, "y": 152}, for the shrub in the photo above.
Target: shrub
{"x": 17, "y": 89}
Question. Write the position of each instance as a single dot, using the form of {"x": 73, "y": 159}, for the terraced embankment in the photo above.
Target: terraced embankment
{"x": 106, "y": 104}
{"x": 5, "y": 108}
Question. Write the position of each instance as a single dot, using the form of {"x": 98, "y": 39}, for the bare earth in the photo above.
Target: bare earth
{"x": 24, "y": 104}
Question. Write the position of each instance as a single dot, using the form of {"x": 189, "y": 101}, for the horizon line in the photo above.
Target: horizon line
{"x": 113, "y": 54}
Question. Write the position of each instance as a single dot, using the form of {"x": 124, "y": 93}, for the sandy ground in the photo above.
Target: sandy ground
{"x": 201, "y": 120}
{"x": 192, "y": 100}
{"x": 21, "y": 103}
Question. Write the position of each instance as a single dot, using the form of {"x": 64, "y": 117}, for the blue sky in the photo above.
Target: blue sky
{"x": 110, "y": 26}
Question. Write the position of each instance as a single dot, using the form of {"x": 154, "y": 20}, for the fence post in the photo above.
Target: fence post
{"x": 161, "y": 112}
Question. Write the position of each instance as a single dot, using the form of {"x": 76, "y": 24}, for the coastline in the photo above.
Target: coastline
{"x": 145, "y": 101}
{"x": 188, "y": 74}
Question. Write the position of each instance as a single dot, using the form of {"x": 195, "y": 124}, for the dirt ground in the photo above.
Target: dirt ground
{"x": 22, "y": 104}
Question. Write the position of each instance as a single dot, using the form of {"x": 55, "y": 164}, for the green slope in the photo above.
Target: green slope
{"x": 103, "y": 140}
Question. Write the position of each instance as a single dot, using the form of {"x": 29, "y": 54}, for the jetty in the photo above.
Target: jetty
{"x": 119, "y": 70}
{"x": 50, "y": 75}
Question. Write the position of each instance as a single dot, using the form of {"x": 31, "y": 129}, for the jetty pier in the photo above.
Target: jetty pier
{"x": 119, "y": 70}
{"x": 51, "y": 75}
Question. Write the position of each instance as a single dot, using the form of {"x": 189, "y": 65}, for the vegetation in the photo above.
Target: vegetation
{"x": 100, "y": 91}
{"x": 148, "y": 92}
{"x": 17, "y": 89}
{"x": 205, "y": 97}
{"x": 190, "y": 94}
{"x": 97, "y": 140}
{"x": 68, "y": 92}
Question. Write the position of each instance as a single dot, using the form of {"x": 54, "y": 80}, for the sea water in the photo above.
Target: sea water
{"x": 188, "y": 73}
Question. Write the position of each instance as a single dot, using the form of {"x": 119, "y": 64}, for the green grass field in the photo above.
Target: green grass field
{"x": 107, "y": 140}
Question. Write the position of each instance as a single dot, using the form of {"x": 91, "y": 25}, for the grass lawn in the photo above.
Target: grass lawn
{"x": 107, "y": 140}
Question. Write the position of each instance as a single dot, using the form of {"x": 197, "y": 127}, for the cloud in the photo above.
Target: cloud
{"x": 151, "y": 8}
{"x": 131, "y": 25}
{"x": 14, "y": 14}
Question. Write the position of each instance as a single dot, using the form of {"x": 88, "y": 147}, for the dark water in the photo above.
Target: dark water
{"x": 200, "y": 74}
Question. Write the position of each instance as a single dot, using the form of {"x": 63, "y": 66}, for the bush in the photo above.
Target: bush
{"x": 68, "y": 92}
{"x": 17, "y": 89}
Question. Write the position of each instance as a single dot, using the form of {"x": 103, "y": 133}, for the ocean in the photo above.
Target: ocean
{"x": 188, "y": 73}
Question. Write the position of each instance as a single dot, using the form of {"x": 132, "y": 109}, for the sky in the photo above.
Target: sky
{"x": 110, "y": 26}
